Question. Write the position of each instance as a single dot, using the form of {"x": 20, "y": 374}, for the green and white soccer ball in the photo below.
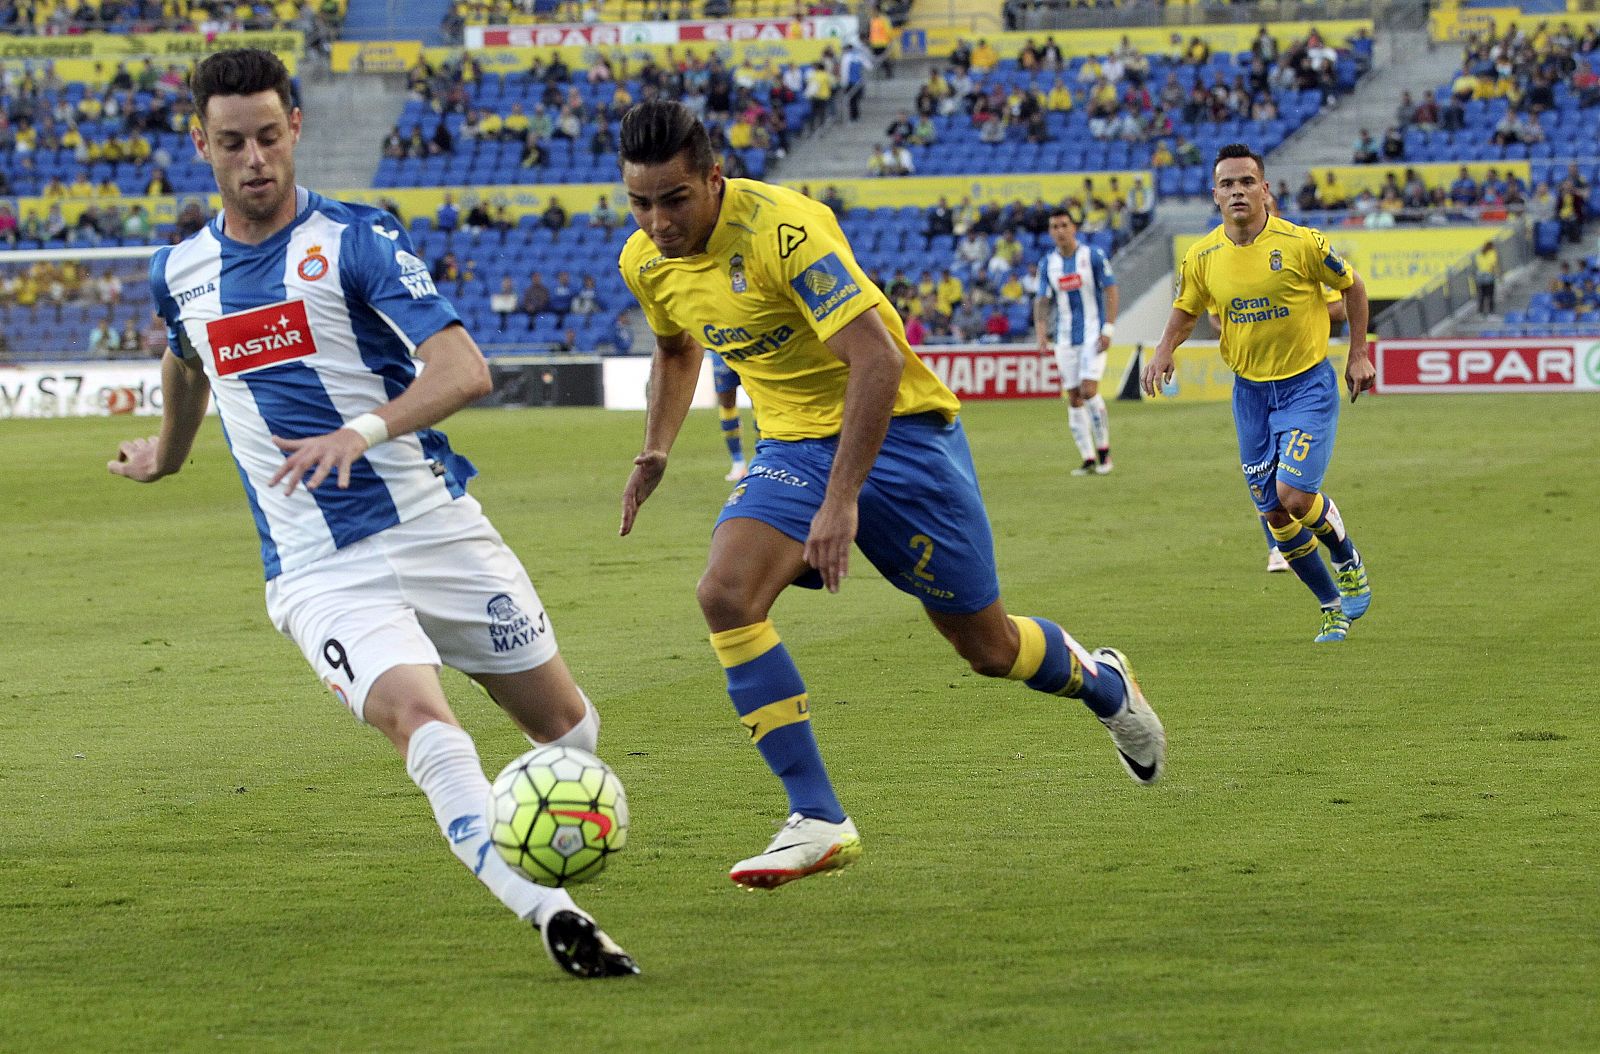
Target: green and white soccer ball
{"x": 556, "y": 814}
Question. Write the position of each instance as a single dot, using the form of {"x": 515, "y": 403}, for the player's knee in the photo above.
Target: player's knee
{"x": 1075, "y": 397}
{"x": 990, "y": 658}
{"x": 1295, "y": 502}
{"x": 723, "y": 603}
{"x": 397, "y": 717}
{"x": 1088, "y": 390}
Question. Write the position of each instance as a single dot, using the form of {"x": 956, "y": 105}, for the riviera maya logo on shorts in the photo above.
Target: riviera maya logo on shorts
{"x": 509, "y": 627}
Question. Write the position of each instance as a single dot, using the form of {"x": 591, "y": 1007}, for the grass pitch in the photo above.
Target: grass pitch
{"x": 1384, "y": 845}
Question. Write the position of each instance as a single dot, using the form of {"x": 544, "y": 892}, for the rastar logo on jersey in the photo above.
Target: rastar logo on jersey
{"x": 263, "y": 336}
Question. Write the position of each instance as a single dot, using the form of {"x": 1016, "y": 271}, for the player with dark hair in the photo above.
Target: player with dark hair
{"x": 1077, "y": 284}
{"x": 860, "y": 444}
{"x": 303, "y": 316}
{"x": 1265, "y": 275}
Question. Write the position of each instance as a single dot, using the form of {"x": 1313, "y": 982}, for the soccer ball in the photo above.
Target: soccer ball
{"x": 556, "y": 813}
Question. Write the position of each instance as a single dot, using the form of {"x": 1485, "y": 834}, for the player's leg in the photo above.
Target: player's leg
{"x": 1043, "y": 656}
{"x": 751, "y": 563}
{"x": 1094, "y": 367}
{"x": 1275, "y": 560}
{"x": 924, "y": 527}
{"x": 472, "y": 598}
{"x": 1311, "y": 415}
{"x": 1071, "y": 366}
{"x": 1260, "y": 448}
{"x": 726, "y": 383}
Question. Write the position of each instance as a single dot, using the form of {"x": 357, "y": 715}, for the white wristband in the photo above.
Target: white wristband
{"x": 1108, "y": 330}
{"x": 370, "y": 427}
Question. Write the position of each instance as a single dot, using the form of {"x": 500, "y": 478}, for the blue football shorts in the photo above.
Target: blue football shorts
{"x": 722, "y": 375}
{"x": 921, "y": 523}
{"x": 1286, "y": 431}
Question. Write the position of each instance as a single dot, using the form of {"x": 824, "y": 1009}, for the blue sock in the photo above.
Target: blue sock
{"x": 1325, "y": 522}
{"x": 770, "y": 699}
{"x": 1272, "y": 543}
{"x": 1045, "y": 664}
{"x": 731, "y": 433}
{"x": 1299, "y": 547}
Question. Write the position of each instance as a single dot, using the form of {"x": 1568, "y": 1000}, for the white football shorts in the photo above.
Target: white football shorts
{"x": 1080, "y": 362}
{"x": 442, "y": 588}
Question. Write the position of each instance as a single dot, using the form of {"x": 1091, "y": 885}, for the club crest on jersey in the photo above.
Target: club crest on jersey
{"x": 246, "y": 341}
{"x": 509, "y": 627}
{"x": 314, "y": 266}
{"x": 736, "y": 273}
{"x": 1275, "y": 261}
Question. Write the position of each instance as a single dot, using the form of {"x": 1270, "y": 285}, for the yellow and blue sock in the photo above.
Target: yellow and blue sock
{"x": 1299, "y": 547}
{"x": 1325, "y": 522}
{"x": 731, "y": 433}
{"x": 770, "y": 699}
{"x": 1047, "y": 664}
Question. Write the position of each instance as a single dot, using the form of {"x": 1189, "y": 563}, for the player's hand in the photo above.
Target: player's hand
{"x": 1159, "y": 367}
{"x": 1103, "y": 343}
{"x": 833, "y": 531}
{"x": 319, "y": 456}
{"x": 136, "y": 459}
{"x": 648, "y": 468}
{"x": 1359, "y": 373}
{"x": 1044, "y": 347}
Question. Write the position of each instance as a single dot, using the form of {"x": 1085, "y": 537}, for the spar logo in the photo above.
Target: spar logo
{"x": 265, "y": 336}
{"x": 1476, "y": 365}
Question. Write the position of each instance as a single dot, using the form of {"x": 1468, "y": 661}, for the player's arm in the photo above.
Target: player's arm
{"x": 1335, "y": 302}
{"x": 1192, "y": 299}
{"x": 1108, "y": 326}
{"x": 875, "y": 362}
{"x": 1359, "y": 373}
{"x": 1041, "y": 322}
{"x": 674, "y": 372}
{"x": 456, "y": 376}
{"x": 1180, "y": 324}
{"x": 185, "y": 391}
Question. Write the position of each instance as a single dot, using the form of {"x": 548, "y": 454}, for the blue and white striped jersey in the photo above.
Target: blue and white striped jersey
{"x": 1078, "y": 283}
{"x": 298, "y": 335}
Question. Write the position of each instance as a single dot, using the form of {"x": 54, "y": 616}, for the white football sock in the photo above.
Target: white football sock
{"x": 1078, "y": 421}
{"x": 443, "y": 761}
{"x": 585, "y": 735}
{"x": 1099, "y": 422}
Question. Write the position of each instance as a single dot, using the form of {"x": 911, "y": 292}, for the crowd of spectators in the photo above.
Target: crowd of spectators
{"x": 1119, "y": 91}
{"x": 745, "y": 107}
{"x": 1523, "y": 73}
{"x": 318, "y": 20}
{"x": 104, "y": 303}
{"x": 465, "y": 13}
{"x": 1404, "y": 196}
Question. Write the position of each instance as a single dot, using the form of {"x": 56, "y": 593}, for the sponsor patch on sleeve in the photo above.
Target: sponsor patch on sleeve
{"x": 825, "y": 285}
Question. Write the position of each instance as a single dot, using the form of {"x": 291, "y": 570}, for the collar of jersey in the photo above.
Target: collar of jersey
{"x": 726, "y": 232}
{"x": 303, "y": 199}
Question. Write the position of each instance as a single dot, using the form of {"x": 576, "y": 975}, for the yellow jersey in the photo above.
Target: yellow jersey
{"x": 776, "y": 282}
{"x": 1269, "y": 293}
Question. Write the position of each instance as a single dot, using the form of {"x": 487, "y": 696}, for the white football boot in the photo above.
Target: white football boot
{"x": 1140, "y": 740}
{"x": 803, "y": 846}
